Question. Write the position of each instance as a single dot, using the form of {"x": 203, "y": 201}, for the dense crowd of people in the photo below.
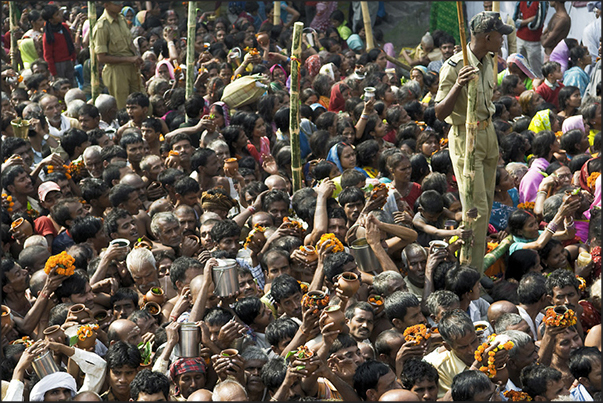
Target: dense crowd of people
{"x": 156, "y": 247}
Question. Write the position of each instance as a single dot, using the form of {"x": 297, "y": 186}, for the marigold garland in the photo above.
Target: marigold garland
{"x": 491, "y": 246}
{"x": 566, "y": 319}
{"x": 490, "y": 370}
{"x": 293, "y": 223}
{"x": 443, "y": 142}
{"x": 86, "y": 331}
{"x": 330, "y": 239}
{"x": 10, "y": 201}
{"x": 303, "y": 286}
{"x": 23, "y": 340}
{"x": 257, "y": 228}
{"x": 416, "y": 333}
{"x": 558, "y": 134}
{"x": 526, "y": 206}
{"x": 582, "y": 286}
{"x": 64, "y": 262}
{"x": 590, "y": 182}
{"x": 517, "y": 396}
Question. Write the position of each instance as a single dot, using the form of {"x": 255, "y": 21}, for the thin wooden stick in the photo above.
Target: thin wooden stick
{"x": 190, "y": 48}
{"x": 368, "y": 29}
{"x": 496, "y": 9}
{"x": 276, "y": 20}
{"x": 294, "y": 115}
{"x": 94, "y": 74}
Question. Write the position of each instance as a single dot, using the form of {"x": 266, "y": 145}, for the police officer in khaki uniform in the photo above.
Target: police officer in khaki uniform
{"x": 487, "y": 30}
{"x": 112, "y": 41}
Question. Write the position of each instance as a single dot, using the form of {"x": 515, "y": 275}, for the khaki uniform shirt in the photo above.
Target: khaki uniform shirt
{"x": 112, "y": 36}
{"x": 485, "y": 87}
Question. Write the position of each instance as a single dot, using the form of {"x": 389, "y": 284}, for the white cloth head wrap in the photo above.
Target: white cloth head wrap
{"x": 52, "y": 381}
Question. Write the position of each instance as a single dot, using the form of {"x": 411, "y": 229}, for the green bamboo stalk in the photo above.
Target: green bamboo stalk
{"x": 14, "y": 24}
{"x": 190, "y": 48}
{"x": 471, "y": 131}
{"x": 294, "y": 116}
{"x": 497, "y": 253}
{"x": 368, "y": 29}
{"x": 94, "y": 73}
{"x": 276, "y": 20}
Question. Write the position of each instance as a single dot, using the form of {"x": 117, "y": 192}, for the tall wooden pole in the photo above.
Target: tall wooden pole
{"x": 368, "y": 29}
{"x": 190, "y": 48}
{"x": 94, "y": 74}
{"x": 294, "y": 115}
{"x": 276, "y": 12}
{"x": 471, "y": 125}
{"x": 14, "y": 25}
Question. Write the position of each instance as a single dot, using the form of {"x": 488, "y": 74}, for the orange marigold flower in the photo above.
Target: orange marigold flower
{"x": 592, "y": 179}
{"x": 330, "y": 239}
{"x": 64, "y": 263}
{"x": 416, "y": 333}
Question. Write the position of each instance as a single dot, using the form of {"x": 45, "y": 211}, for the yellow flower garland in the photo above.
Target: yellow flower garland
{"x": 490, "y": 370}
{"x": 86, "y": 331}
{"x": 65, "y": 264}
{"x": 330, "y": 239}
{"x": 416, "y": 333}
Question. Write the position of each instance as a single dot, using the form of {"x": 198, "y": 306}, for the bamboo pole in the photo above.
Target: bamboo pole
{"x": 94, "y": 74}
{"x": 276, "y": 19}
{"x": 497, "y": 253}
{"x": 368, "y": 29}
{"x": 471, "y": 132}
{"x": 294, "y": 115}
{"x": 190, "y": 48}
{"x": 14, "y": 25}
{"x": 398, "y": 62}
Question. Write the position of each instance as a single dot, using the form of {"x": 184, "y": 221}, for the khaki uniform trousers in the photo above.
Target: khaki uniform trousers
{"x": 486, "y": 161}
{"x": 122, "y": 80}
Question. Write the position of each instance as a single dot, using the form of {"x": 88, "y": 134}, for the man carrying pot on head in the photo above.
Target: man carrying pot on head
{"x": 56, "y": 386}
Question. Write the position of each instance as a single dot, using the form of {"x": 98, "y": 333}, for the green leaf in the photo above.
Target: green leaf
{"x": 300, "y": 367}
{"x": 289, "y": 354}
{"x": 73, "y": 341}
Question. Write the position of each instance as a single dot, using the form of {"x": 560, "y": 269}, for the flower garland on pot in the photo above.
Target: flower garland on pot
{"x": 256, "y": 228}
{"x": 64, "y": 263}
{"x": 517, "y": 396}
{"x": 330, "y": 239}
{"x": 565, "y": 319}
{"x": 416, "y": 333}
{"x": 490, "y": 370}
{"x": 86, "y": 331}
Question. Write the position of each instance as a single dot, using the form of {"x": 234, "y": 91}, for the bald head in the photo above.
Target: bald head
{"x": 499, "y": 308}
{"x": 262, "y": 218}
{"x": 124, "y": 330}
{"x": 37, "y": 281}
{"x": 276, "y": 182}
{"x": 87, "y": 397}
{"x": 160, "y": 206}
{"x": 31, "y": 109}
{"x": 200, "y": 395}
{"x": 73, "y": 94}
{"x": 209, "y": 215}
{"x": 229, "y": 391}
{"x": 399, "y": 395}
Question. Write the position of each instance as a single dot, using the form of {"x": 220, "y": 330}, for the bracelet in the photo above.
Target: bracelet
{"x": 541, "y": 192}
{"x": 552, "y": 227}
{"x": 363, "y": 116}
{"x": 43, "y": 294}
{"x": 251, "y": 209}
{"x": 321, "y": 48}
{"x": 308, "y": 46}
{"x": 173, "y": 318}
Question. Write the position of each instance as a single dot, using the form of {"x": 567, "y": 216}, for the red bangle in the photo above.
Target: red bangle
{"x": 43, "y": 295}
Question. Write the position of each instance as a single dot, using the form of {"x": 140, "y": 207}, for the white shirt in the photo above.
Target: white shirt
{"x": 533, "y": 326}
{"x": 478, "y": 310}
{"x": 58, "y": 133}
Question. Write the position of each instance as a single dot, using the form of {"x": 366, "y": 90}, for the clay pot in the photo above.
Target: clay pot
{"x": 22, "y": 226}
{"x": 79, "y": 311}
{"x": 6, "y": 316}
{"x": 102, "y": 317}
{"x": 376, "y": 307}
{"x": 153, "y": 308}
{"x": 231, "y": 163}
{"x": 155, "y": 294}
{"x": 310, "y": 253}
{"x": 88, "y": 343}
{"x": 348, "y": 283}
{"x": 335, "y": 315}
{"x": 315, "y": 299}
{"x": 194, "y": 238}
{"x": 229, "y": 352}
{"x": 54, "y": 333}
{"x": 263, "y": 39}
